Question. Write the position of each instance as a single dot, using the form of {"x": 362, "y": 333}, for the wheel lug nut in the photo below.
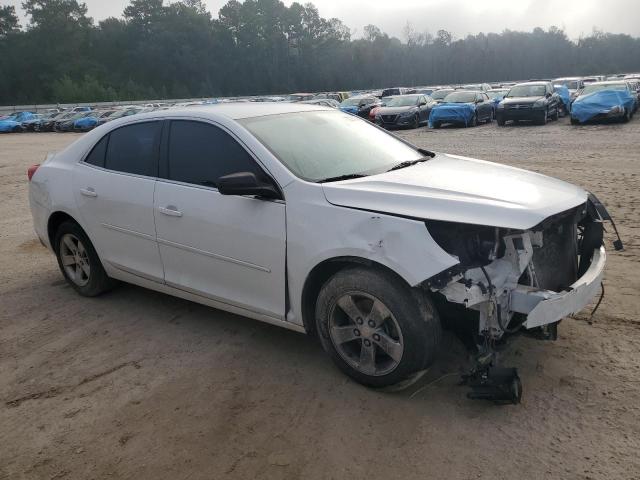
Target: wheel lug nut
{"x": 367, "y": 343}
{"x": 356, "y": 332}
{"x": 372, "y": 323}
{"x": 359, "y": 321}
{"x": 376, "y": 337}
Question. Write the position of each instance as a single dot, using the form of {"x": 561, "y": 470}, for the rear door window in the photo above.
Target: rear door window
{"x": 134, "y": 149}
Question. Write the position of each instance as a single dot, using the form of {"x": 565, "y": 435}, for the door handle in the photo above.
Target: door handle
{"x": 170, "y": 210}
{"x": 88, "y": 192}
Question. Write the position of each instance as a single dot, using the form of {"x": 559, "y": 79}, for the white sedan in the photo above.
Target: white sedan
{"x": 320, "y": 222}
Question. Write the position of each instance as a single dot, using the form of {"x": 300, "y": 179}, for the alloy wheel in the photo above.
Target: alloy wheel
{"x": 365, "y": 334}
{"x": 75, "y": 259}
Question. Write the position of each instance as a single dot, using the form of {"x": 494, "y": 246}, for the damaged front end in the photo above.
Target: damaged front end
{"x": 513, "y": 279}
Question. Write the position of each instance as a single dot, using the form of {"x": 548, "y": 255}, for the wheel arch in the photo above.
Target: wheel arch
{"x": 322, "y": 272}
{"x": 56, "y": 219}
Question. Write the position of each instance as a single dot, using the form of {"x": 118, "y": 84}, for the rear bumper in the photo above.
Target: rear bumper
{"x": 543, "y": 307}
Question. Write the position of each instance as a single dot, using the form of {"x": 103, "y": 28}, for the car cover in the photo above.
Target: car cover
{"x": 564, "y": 94}
{"x": 588, "y": 106}
{"x": 452, "y": 113}
{"x": 8, "y": 125}
{"x": 352, "y": 109}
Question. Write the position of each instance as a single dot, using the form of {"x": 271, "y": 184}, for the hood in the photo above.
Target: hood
{"x": 522, "y": 99}
{"x": 394, "y": 110}
{"x": 459, "y": 189}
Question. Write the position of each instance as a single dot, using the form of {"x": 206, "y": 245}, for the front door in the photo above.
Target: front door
{"x": 227, "y": 248}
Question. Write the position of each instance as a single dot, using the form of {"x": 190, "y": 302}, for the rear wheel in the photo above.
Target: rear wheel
{"x": 376, "y": 330}
{"x": 79, "y": 262}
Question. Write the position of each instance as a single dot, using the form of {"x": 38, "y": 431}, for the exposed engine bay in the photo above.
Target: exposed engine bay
{"x": 513, "y": 279}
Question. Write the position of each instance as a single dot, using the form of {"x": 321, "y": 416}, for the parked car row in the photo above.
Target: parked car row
{"x": 406, "y": 107}
{"x": 78, "y": 119}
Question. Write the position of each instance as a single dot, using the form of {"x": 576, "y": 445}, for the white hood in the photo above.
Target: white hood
{"x": 460, "y": 189}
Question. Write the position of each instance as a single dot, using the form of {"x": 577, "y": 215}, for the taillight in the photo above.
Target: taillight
{"x": 31, "y": 170}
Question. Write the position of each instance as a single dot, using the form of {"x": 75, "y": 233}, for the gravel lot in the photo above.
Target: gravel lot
{"x": 136, "y": 384}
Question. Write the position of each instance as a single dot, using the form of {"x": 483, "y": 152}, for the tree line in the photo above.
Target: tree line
{"x": 178, "y": 50}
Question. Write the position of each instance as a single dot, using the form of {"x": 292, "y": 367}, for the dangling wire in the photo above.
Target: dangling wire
{"x": 595, "y": 309}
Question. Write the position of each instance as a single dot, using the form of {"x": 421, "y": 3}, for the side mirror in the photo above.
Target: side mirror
{"x": 422, "y": 104}
{"x": 246, "y": 183}
{"x": 548, "y": 95}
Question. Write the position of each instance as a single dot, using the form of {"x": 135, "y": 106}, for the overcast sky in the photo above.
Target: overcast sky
{"x": 458, "y": 16}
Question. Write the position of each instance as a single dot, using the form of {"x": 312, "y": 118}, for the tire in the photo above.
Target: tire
{"x": 575, "y": 121}
{"x": 407, "y": 323}
{"x": 490, "y": 118}
{"x": 85, "y": 272}
{"x": 556, "y": 114}
{"x": 416, "y": 122}
{"x": 436, "y": 125}
{"x": 627, "y": 116}
{"x": 501, "y": 121}
{"x": 474, "y": 121}
{"x": 544, "y": 118}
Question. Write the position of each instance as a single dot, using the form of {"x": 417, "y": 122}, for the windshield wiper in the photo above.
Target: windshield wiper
{"x": 348, "y": 176}
{"x": 408, "y": 163}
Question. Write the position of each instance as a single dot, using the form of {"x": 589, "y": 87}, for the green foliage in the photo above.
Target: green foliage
{"x": 161, "y": 49}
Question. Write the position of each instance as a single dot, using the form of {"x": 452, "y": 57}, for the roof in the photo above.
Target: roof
{"x": 537, "y": 82}
{"x": 237, "y": 111}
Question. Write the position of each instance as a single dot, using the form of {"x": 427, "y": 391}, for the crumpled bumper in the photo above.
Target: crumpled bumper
{"x": 543, "y": 306}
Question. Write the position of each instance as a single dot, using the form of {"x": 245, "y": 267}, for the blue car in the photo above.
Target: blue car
{"x": 8, "y": 125}
{"x": 462, "y": 108}
{"x": 565, "y": 95}
{"x": 602, "y": 101}
{"x": 13, "y": 122}
{"x": 90, "y": 122}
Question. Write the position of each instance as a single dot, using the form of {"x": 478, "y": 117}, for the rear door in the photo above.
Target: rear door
{"x": 113, "y": 188}
{"x": 227, "y": 248}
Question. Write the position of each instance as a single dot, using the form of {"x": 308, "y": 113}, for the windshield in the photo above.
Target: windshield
{"x": 402, "y": 101}
{"x": 440, "y": 94}
{"x": 527, "y": 91}
{"x": 461, "y": 97}
{"x": 603, "y": 86}
{"x": 299, "y": 141}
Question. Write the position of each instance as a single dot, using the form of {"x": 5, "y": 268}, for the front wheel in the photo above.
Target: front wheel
{"x": 575, "y": 121}
{"x": 416, "y": 122}
{"x": 501, "y": 121}
{"x": 543, "y": 118}
{"x": 627, "y": 116}
{"x": 556, "y": 114}
{"x": 474, "y": 121}
{"x": 376, "y": 330}
{"x": 79, "y": 262}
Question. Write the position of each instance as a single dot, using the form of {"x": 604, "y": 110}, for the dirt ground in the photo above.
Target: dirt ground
{"x": 135, "y": 384}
